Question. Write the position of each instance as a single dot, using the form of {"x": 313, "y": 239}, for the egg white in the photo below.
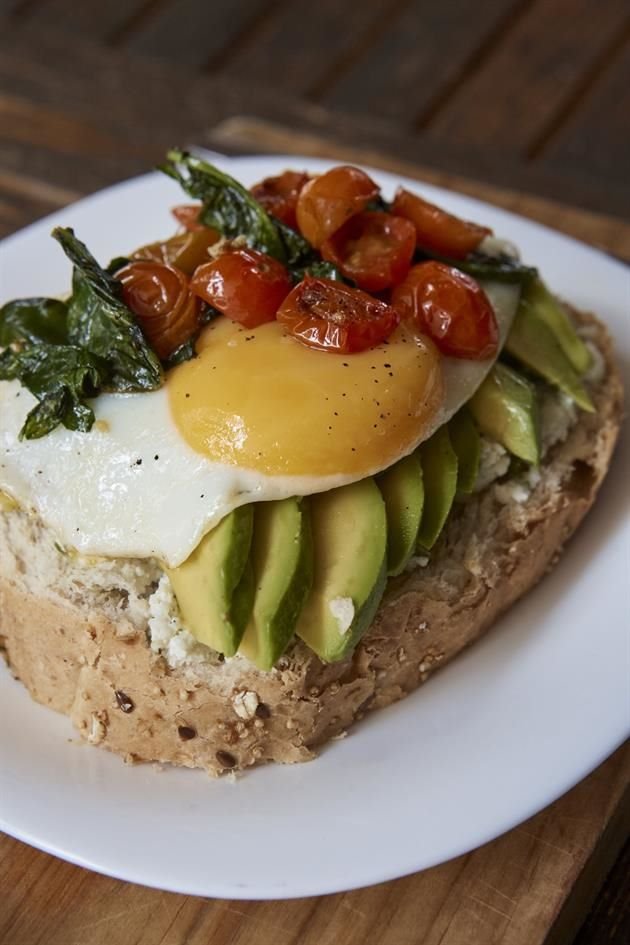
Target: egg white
{"x": 132, "y": 487}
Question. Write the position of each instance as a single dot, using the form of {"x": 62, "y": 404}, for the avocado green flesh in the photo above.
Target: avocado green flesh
{"x": 439, "y": 471}
{"x": 545, "y": 305}
{"x": 506, "y": 409}
{"x": 532, "y": 342}
{"x": 214, "y": 586}
{"x": 466, "y": 443}
{"x": 349, "y": 568}
{"x": 282, "y": 560}
{"x": 403, "y": 491}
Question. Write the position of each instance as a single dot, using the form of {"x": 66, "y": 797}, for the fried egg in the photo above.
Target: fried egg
{"x": 256, "y": 416}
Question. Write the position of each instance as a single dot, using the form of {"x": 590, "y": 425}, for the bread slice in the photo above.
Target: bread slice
{"x": 75, "y": 655}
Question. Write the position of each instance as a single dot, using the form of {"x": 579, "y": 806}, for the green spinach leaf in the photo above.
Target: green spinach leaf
{"x": 482, "y": 266}
{"x": 61, "y": 377}
{"x": 227, "y": 206}
{"x": 28, "y": 321}
{"x": 99, "y": 321}
{"x": 297, "y": 251}
{"x": 320, "y": 269}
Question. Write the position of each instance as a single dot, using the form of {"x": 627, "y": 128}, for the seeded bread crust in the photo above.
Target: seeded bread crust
{"x": 121, "y": 695}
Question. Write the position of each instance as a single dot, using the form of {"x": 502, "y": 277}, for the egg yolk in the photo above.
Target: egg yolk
{"x": 258, "y": 399}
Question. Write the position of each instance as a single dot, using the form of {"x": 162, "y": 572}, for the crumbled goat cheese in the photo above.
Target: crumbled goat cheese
{"x": 245, "y": 703}
{"x": 342, "y": 610}
{"x": 597, "y": 367}
{"x": 493, "y": 246}
{"x": 494, "y": 462}
{"x": 164, "y": 622}
{"x": 168, "y": 636}
{"x": 507, "y": 492}
{"x": 417, "y": 561}
{"x": 558, "y": 414}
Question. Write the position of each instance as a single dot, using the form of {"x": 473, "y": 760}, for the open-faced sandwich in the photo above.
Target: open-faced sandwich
{"x": 268, "y": 474}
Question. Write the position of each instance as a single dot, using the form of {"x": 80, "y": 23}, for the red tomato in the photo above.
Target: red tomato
{"x": 333, "y": 317}
{"x": 245, "y": 285}
{"x": 160, "y": 297}
{"x": 185, "y": 250}
{"x": 187, "y": 214}
{"x": 327, "y": 201}
{"x": 451, "y": 308}
{"x": 373, "y": 249}
{"x": 436, "y": 230}
{"x": 279, "y": 195}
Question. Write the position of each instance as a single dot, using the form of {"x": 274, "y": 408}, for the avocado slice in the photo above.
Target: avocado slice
{"x": 403, "y": 492}
{"x": 466, "y": 442}
{"x": 349, "y": 568}
{"x": 545, "y": 305}
{"x": 214, "y": 587}
{"x": 282, "y": 559}
{"x": 506, "y": 409}
{"x": 532, "y": 342}
{"x": 439, "y": 470}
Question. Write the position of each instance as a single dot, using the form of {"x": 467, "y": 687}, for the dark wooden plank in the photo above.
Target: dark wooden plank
{"x": 145, "y": 106}
{"x": 194, "y": 33}
{"x": 529, "y": 75}
{"x": 98, "y": 20}
{"x": 609, "y": 921}
{"x": 417, "y": 55}
{"x": 595, "y": 139}
{"x": 301, "y": 44}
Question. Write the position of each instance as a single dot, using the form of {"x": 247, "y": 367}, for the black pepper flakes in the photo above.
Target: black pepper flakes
{"x": 226, "y": 759}
{"x": 186, "y": 732}
{"x": 125, "y": 703}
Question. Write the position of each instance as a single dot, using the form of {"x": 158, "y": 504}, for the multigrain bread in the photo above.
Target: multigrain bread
{"x": 80, "y": 644}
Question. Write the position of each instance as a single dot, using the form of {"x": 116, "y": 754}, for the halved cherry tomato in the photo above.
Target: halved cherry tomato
{"x": 333, "y": 317}
{"x": 373, "y": 249}
{"x": 279, "y": 195}
{"x": 327, "y": 201}
{"x": 185, "y": 251}
{"x": 160, "y": 297}
{"x": 437, "y": 230}
{"x": 245, "y": 285}
{"x": 187, "y": 214}
{"x": 451, "y": 308}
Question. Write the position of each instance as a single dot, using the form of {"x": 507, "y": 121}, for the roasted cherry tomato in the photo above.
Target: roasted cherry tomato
{"x": 185, "y": 251}
{"x": 451, "y": 308}
{"x": 279, "y": 195}
{"x": 327, "y": 201}
{"x": 333, "y": 317}
{"x": 187, "y": 214}
{"x": 436, "y": 230}
{"x": 373, "y": 249}
{"x": 160, "y": 297}
{"x": 245, "y": 285}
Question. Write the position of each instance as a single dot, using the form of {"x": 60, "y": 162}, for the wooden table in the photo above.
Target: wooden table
{"x": 520, "y": 102}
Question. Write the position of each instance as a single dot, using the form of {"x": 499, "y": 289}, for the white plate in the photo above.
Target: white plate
{"x": 493, "y": 738}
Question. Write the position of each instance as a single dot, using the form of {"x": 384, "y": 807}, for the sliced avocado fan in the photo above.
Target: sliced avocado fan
{"x": 282, "y": 561}
{"x": 439, "y": 470}
{"x": 532, "y": 342}
{"x": 403, "y": 492}
{"x": 214, "y": 587}
{"x": 506, "y": 409}
{"x": 466, "y": 443}
{"x": 349, "y": 568}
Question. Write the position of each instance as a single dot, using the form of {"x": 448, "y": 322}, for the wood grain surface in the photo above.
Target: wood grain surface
{"x": 523, "y": 103}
